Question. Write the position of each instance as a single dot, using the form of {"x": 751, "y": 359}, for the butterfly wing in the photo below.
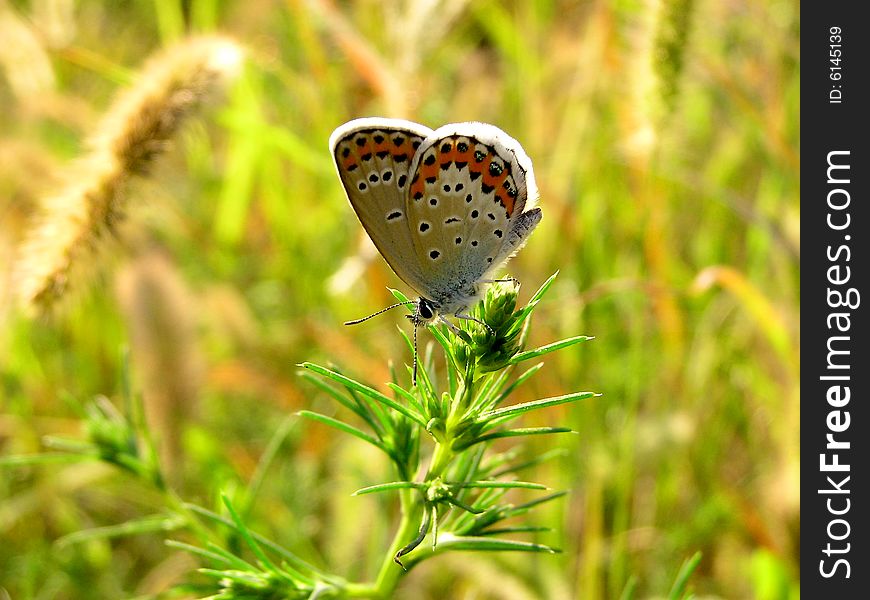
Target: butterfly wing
{"x": 373, "y": 157}
{"x": 469, "y": 205}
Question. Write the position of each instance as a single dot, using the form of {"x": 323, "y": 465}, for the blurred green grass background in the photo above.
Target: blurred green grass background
{"x": 669, "y": 182}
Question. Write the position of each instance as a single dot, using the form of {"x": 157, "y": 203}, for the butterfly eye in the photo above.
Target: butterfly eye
{"x": 425, "y": 310}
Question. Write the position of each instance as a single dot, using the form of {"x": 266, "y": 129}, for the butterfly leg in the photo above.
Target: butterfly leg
{"x": 466, "y": 317}
{"x": 452, "y": 327}
{"x": 512, "y": 280}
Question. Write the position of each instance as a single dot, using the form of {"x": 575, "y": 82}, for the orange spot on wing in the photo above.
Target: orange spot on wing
{"x": 493, "y": 180}
{"x": 416, "y": 188}
{"x": 403, "y": 149}
{"x": 447, "y": 157}
{"x": 429, "y": 171}
{"x": 383, "y": 146}
{"x": 507, "y": 202}
{"x": 466, "y": 156}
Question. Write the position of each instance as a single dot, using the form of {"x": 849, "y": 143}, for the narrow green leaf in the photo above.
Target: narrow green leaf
{"x": 365, "y": 390}
{"x": 403, "y": 298}
{"x": 514, "y": 433}
{"x": 630, "y": 589}
{"x": 339, "y": 397}
{"x": 678, "y": 591}
{"x": 530, "y": 354}
{"x": 513, "y": 386}
{"x": 464, "y": 505}
{"x": 544, "y": 288}
{"x": 383, "y": 487}
{"x": 501, "y": 484}
{"x": 196, "y": 550}
{"x": 248, "y": 577}
{"x": 486, "y": 544}
{"x": 530, "y": 306}
{"x": 525, "y": 507}
{"x": 291, "y": 558}
{"x": 229, "y": 557}
{"x": 411, "y": 398}
{"x": 275, "y": 443}
{"x": 548, "y": 455}
{"x": 246, "y": 535}
{"x": 342, "y": 426}
{"x": 509, "y": 412}
{"x": 26, "y": 460}
{"x": 150, "y": 524}
{"x": 371, "y": 407}
{"x": 517, "y": 529}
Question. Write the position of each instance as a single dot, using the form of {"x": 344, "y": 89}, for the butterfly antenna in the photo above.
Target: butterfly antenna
{"x": 380, "y": 312}
{"x": 414, "y": 374}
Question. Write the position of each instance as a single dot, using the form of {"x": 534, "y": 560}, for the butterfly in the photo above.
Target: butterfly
{"x": 445, "y": 208}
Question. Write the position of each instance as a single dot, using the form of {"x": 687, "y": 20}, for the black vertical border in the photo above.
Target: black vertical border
{"x": 825, "y": 127}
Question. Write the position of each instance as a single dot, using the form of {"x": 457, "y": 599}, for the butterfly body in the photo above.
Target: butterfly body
{"x": 445, "y": 208}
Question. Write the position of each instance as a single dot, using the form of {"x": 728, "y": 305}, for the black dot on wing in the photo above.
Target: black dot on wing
{"x": 479, "y": 155}
{"x": 462, "y": 147}
{"x": 475, "y": 214}
{"x": 352, "y": 167}
{"x": 415, "y": 144}
{"x": 373, "y": 178}
{"x": 459, "y": 187}
{"x": 458, "y": 240}
{"x": 345, "y": 152}
{"x": 446, "y": 147}
{"x": 434, "y": 254}
{"x": 491, "y": 216}
{"x": 489, "y": 260}
{"x": 424, "y": 226}
{"x": 402, "y": 180}
{"x": 433, "y": 201}
{"x": 486, "y": 189}
{"x": 360, "y": 141}
{"x": 446, "y": 187}
{"x": 452, "y": 220}
{"x": 394, "y": 215}
{"x": 398, "y": 141}
{"x": 387, "y": 175}
{"x": 474, "y": 242}
{"x": 379, "y": 139}
{"x": 468, "y": 198}
{"x": 429, "y": 160}
{"x": 362, "y": 186}
{"x": 498, "y": 233}
{"x": 366, "y": 156}
{"x": 495, "y": 169}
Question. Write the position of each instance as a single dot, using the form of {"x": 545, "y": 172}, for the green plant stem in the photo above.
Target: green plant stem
{"x": 390, "y": 572}
{"x": 178, "y": 505}
{"x": 441, "y": 458}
